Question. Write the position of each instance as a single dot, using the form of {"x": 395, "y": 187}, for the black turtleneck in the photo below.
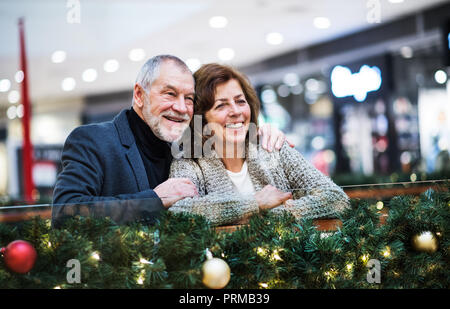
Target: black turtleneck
{"x": 155, "y": 153}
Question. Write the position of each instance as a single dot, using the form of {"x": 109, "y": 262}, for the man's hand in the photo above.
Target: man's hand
{"x": 174, "y": 189}
{"x": 270, "y": 197}
{"x": 272, "y": 138}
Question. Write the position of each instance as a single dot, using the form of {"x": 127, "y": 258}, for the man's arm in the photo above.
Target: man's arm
{"x": 81, "y": 178}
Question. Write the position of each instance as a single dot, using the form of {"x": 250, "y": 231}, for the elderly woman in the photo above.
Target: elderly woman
{"x": 239, "y": 178}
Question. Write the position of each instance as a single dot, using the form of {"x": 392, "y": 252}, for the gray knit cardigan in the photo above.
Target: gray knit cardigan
{"x": 314, "y": 194}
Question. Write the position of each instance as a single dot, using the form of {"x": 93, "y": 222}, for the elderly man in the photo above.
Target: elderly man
{"x": 129, "y": 157}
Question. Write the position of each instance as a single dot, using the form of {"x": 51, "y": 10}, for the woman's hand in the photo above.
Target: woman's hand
{"x": 270, "y": 197}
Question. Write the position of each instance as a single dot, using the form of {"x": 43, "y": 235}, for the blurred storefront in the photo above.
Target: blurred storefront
{"x": 372, "y": 103}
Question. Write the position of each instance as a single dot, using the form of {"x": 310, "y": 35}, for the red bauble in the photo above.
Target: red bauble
{"x": 19, "y": 256}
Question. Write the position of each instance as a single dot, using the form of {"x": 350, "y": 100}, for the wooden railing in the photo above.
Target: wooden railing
{"x": 22, "y": 213}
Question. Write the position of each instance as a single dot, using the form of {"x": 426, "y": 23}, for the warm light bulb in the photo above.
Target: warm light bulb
{"x": 365, "y": 258}
{"x": 144, "y": 261}
{"x": 140, "y": 280}
{"x": 275, "y": 256}
{"x": 380, "y": 205}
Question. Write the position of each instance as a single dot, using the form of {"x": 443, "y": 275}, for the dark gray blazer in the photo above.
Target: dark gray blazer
{"x": 102, "y": 165}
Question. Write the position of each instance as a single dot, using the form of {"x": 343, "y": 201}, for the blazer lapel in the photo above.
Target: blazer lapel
{"x": 136, "y": 164}
{"x": 131, "y": 151}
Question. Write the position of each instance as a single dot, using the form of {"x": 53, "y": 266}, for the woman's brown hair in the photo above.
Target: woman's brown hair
{"x": 207, "y": 78}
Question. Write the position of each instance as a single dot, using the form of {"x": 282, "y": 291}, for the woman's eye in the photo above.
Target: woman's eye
{"x": 242, "y": 102}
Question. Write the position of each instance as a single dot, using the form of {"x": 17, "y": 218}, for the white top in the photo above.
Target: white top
{"x": 242, "y": 181}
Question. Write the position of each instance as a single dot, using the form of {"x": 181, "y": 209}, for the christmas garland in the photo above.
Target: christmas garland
{"x": 410, "y": 250}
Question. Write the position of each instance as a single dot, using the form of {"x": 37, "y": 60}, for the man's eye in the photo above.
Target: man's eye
{"x": 172, "y": 94}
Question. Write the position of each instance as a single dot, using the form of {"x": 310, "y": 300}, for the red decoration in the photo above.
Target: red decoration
{"x": 27, "y": 153}
{"x": 19, "y": 256}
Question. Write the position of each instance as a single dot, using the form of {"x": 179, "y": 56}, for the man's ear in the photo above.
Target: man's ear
{"x": 138, "y": 96}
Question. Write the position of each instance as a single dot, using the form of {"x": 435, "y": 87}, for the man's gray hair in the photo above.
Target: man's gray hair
{"x": 150, "y": 70}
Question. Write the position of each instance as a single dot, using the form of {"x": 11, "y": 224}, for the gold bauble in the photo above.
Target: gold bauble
{"x": 425, "y": 242}
{"x": 216, "y": 273}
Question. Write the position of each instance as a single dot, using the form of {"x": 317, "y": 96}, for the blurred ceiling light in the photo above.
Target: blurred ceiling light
{"x": 316, "y": 86}
{"x": 193, "y": 64}
{"x": 312, "y": 85}
{"x": 218, "y": 22}
{"x": 395, "y": 1}
{"x": 19, "y": 111}
{"x": 13, "y": 96}
{"x": 89, "y": 75}
{"x": 291, "y": 79}
{"x": 274, "y": 38}
{"x": 19, "y": 76}
{"x": 322, "y": 23}
{"x": 5, "y": 84}
{"x": 111, "y": 65}
{"x": 405, "y": 157}
{"x": 268, "y": 95}
{"x": 136, "y": 54}
{"x": 318, "y": 143}
{"x": 68, "y": 84}
{"x": 283, "y": 91}
{"x": 406, "y": 52}
{"x": 11, "y": 112}
{"x": 440, "y": 76}
{"x": 225, "y": 54}
{"x": 58, "y": 56}
{"x": 297, "y": 89}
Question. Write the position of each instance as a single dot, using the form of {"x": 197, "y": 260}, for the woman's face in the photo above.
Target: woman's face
{"x": 230, "y": 115}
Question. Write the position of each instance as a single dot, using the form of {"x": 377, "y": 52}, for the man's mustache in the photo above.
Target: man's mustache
{"x": 175, "y": 115}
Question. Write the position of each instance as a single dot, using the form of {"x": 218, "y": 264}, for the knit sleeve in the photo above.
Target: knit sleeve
{"x": 218, "y": 208}
{"x": 315, "y": 195}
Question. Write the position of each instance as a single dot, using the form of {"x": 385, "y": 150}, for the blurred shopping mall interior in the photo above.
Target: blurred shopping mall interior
{"x": 361, "y": 87}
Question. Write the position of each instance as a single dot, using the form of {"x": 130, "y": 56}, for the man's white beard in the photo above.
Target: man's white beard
{"x": 169, "y": 135}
